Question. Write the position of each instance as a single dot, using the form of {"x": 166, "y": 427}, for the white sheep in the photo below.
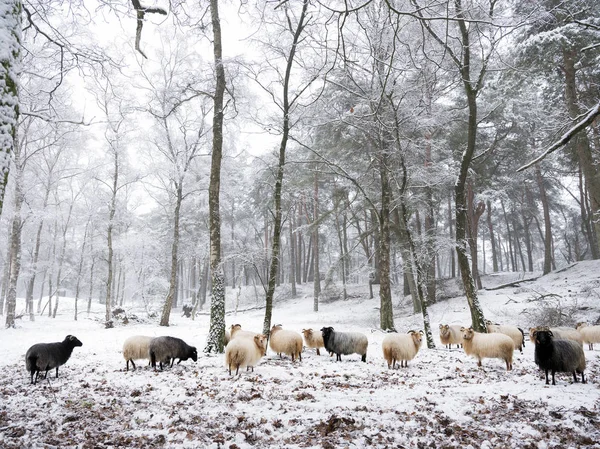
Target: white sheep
{"x": 313, "y": 339}
{"x": 512, "y": 331}
{"x": 559, "y": 333}
{"x": 401, "y": 347}
{"x": 136, "y": 348}
{"x": 286, "y": 342}
{"x": 450, "y": 335}
{"x": 245, "y": 352}
{"x": 236, "y": 331}
{"x": 589, "y": 334}
{"x": 492, "y": 346}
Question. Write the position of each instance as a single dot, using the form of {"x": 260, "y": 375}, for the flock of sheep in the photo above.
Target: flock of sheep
{"x": 556, "y": 349}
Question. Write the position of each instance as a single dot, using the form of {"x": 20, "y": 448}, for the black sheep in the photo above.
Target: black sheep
{"x": 45, "y": 356}
{"x": 557, "y": 355}
{"x": 167, "y": 349}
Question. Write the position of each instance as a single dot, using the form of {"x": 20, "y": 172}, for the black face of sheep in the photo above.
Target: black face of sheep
{"x": 45, "y": 356}
{"x": 326, "y": 332}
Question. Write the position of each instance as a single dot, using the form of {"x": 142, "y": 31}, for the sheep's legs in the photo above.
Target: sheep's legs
{"x": 363, "y": 358}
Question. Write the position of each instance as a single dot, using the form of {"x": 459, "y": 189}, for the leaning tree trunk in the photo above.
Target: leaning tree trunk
{"x": 286, "y": 109}
{"x": 216, "y": 333}
{"x": 166, "y": 312}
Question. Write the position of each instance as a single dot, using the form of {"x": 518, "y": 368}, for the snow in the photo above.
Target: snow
{"x": 442, "y": 400}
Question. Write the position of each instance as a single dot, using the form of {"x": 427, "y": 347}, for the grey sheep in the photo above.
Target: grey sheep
{"x": 45, "y": 356}
{"x": 345, "y": 343}
{"x": 167, "y": 349}
{"x": 564, "y": 356}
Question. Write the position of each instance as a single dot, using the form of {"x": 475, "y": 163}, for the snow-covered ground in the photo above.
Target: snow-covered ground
{"x": 442, "y": 400}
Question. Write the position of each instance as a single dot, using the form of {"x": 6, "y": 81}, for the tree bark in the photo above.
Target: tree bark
{"x": 386, "y": 310}
{"x": 216, "y": 333}
{"x": 166, "y": 312}
{"x": 583, "y": 151}
{"x": 317, "y": 277}
{"x": 547, "y": 223}
{"x": 492, "y": 237}
{"x": 10, "y": 68}
{"x": 15, "y": 248}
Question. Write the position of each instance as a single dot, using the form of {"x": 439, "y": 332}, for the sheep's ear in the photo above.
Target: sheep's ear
{"x": 421, "y": 332}
{"x": 441, "y": 326}
{"x": 550, "y": 333}
{"x": 462, "y": 329}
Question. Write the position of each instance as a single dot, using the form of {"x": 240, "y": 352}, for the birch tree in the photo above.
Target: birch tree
{"x": 10, "y": 67}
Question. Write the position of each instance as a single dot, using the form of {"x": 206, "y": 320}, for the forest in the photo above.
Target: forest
{"x": 160, "y": 154}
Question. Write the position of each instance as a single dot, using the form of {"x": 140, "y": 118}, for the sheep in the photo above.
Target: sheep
{"x": 246, "y": 352}
{"x": 236, "y": 331}
{"x": 450, "y": 335}
{"x": 135, "y": 348}
{"x": 492, "y": 346}
{"x": 402, "y": 347}
{"x": 589, "y": 334}
{"x": 45, "y": 356}
{"x": 560, "y": 333}
{"x": 286, "y": 341}
{"x": 313, "y": 340}
{"x": 167, "y": 349}
{"x": 345, "y": 343}
{"x": 558, "y": 355}
{"x": 513, "y": 332}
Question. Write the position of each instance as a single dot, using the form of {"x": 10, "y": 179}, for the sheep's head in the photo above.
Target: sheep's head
{"x": 307, "y": 333}
{"x": 276, "y": 328}
{"x": 417, "y": 337}
{"x": 467, "y": 333}
{"x": 326, "y": 331}
{"x": 543, "y": 337}
{"x": 73, "y": 341}
{"x": 580, "y": 325}
{"x": 260, "y": 341}
{"x": 194, "y": 354}
{"x": 444, "y": 329}
{"x": 235, "y": 328}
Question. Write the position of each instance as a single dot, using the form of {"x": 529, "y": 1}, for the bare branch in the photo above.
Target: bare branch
{"x": 580, "y": 126}
{"x": 141, "y": 12}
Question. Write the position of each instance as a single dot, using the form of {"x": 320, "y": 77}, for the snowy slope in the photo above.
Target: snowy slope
{"x": 441, "y": 400}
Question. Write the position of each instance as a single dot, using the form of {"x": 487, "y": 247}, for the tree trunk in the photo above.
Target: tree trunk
{"x": 15, "y": 249}
{"x": 492, "y": 237}
{"x": 108, "y": 323}
{"x": 80, "y": 268}
{"x": 386, "y": 310}
{"x": 216, "y": 333}
{"x": 474, "y": 214}
{"x": 166, "y": 312}
{"x": 92, "y": 266}
{"x": 317, "y": 276}
{"x": 582, "y": 145}
{"x": 61, "y": 260}
{"x": 452, "y": 236}
{"x": 286, "y": 109}
{"x": 547, "y": 223}
{"x": 292, "y": 256}
{"x": 10, "y": 68}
